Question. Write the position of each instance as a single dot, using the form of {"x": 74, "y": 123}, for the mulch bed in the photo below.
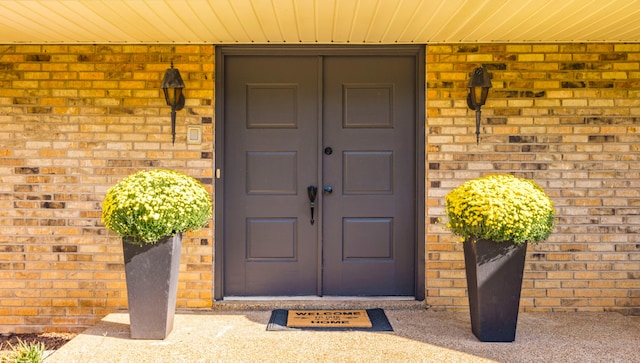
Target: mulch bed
{"x": 52, "y": 341}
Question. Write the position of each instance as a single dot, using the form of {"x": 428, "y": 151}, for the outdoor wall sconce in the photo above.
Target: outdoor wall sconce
{"x": 172, "y": 86}
{"x": 479, "y": 85}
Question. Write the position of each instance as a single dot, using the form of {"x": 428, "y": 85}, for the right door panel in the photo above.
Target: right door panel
{"x": 369, "y": 218}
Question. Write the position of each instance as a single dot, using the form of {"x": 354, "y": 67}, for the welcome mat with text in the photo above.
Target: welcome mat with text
{"x": 333, "y": 319}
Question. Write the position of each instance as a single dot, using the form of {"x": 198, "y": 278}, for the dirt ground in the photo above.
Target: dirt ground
{"x": 52, "y": 341}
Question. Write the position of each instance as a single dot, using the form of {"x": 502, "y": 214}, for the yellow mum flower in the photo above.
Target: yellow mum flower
{"x": 149, "y": 205}
{"x": 500, "y": 208}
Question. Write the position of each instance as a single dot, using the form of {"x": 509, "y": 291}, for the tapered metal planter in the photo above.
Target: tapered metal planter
{"x": 494, "y": 280}
{"x": 152, "y": 286}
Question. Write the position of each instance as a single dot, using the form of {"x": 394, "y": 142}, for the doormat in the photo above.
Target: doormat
{"x": 329, "y": 320}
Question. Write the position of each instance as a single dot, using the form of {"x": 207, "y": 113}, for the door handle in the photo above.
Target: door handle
{"x": 328, "y": 189}
{"x": 312, "y": 192}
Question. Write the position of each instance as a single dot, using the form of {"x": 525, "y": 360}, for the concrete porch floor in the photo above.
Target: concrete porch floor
{"x": 419, "y": 336}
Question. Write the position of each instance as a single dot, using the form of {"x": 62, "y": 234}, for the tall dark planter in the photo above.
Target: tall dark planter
{"x": 152, "y": 286}
{"x": 494, "y": 280}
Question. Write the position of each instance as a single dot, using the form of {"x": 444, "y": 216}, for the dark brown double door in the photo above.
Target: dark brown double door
{"x": 345, "y": 125}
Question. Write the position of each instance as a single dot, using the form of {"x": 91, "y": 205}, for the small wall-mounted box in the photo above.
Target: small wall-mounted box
{"x": 194, "y": 134}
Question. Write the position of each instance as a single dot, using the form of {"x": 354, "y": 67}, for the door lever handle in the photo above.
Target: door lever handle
{"x": 312, "y": 192}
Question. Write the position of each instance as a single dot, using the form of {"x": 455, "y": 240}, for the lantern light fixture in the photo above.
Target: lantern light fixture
{"x": 172, "y": 85}
{"x": 479, "y": 84}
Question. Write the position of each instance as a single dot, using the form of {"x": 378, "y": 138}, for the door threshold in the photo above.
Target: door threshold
{"x": 318, "y": 302}
{"x": 319, "y": 298}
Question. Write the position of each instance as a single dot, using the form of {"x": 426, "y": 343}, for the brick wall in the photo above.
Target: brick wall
{"x": 567, "y": 116}
{"x": 74, "y": 119}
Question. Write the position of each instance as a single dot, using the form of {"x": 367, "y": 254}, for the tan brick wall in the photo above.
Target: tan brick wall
{"x": 74, "y": 119}
{"x": 567, "y": 116}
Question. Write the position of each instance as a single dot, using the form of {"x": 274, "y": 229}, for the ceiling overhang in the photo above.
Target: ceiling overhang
{"x": 317, "y": 21}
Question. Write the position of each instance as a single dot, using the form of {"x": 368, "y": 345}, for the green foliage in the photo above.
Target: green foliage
{"x": 500, "y": 208}
{"x": 149, "y": 205}
{"x": 24, "y": 353}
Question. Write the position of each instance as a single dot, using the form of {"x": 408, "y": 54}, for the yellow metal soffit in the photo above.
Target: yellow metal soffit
{"x": 317, "y": 21}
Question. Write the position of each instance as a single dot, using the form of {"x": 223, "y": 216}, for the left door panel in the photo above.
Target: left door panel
{"x": 271, "y": 121}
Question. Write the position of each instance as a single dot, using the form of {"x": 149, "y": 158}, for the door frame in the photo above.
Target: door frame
{"x": 221, "y": 52}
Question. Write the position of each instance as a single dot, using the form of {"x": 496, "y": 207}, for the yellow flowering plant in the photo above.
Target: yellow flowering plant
{"x": 500, "y": 208}
{"x": 149, "y": 205}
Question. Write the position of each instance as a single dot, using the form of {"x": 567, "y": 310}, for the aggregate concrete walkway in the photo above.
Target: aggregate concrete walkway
{"x": 419, "y": 336}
